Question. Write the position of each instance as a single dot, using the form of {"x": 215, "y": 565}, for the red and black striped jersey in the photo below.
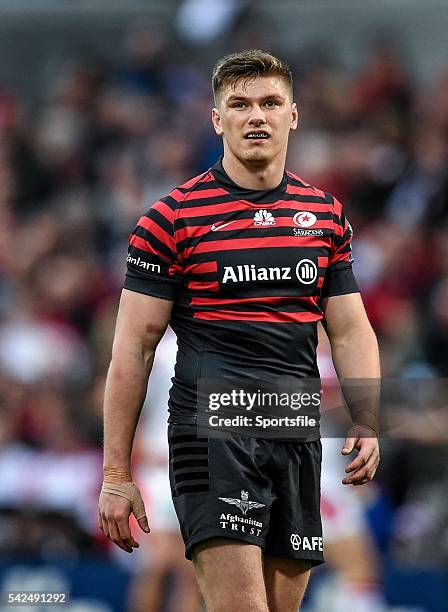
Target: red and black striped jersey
{"x": 247, "y": 271}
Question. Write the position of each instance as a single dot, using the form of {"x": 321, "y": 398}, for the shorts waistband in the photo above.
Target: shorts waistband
{"x": 183, "y": 419}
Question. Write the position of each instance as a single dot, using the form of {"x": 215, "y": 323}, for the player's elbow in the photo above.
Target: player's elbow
{"x": 359, "y": 332}
{"x": 138, "y": 351}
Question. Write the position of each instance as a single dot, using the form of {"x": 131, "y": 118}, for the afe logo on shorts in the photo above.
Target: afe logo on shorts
{"x": 295, "y": 540}
{"x": 305, "y": 543}
{"x": 306, "y": 271}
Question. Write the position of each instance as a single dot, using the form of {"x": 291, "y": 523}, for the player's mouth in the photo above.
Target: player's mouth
{"x": 257, "y": 135}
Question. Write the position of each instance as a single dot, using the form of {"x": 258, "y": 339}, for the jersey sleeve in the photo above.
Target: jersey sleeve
{"x": 152, "y": 263}
{"x": 339, "y": 277}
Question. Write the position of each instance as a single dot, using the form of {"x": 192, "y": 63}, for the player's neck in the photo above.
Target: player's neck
{"x": 253, "y": 176}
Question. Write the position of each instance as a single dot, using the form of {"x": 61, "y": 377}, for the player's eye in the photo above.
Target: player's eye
{"x": 270, "y": 103}
{"x": 238, "y": 105}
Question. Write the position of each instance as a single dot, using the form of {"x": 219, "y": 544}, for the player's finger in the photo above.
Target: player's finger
{"x": 138, "y": 507}
{"x": 363, "y": 475}
{"x": 361, "y": 460}
{"x": 368, "y": 477}
{"x": 125, "y": 533}
{"x": 368, "y": 447}
{"x": 114, "y": 535}
{"x": 362, "y": 482}
{"x": 360, "y": 477}
{"x": 143, "y": 522}
{"x": 104, "y": 527}
{"x": 349, "y": 445}
{"x": 367, "y": 471}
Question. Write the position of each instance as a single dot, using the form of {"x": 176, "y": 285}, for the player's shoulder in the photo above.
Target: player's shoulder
{"x": 298, "y": 186}
{"x": 169, "y": 205}
{"x": 198, "y": 183}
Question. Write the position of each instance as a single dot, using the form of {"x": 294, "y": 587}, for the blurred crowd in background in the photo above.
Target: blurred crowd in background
{"x": 86, "y": 155}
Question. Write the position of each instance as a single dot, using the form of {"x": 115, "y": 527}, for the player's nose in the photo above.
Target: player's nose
{"x": 257, "y": 116}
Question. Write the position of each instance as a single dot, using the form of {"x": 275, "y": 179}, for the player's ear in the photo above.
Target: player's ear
{"x": 216, "y": 120}
{"x": 294, "y": 116}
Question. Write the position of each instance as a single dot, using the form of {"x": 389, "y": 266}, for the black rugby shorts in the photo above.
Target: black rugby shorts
{"x": 263, "y": 492}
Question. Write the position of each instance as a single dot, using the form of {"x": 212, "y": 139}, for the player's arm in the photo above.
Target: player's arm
{"x": 356, "y": 359}
{"x": 153, "y": 280}
{"x": 141, "y": 323}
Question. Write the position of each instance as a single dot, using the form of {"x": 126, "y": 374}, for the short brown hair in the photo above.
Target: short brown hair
{"x": 247, "y": 65}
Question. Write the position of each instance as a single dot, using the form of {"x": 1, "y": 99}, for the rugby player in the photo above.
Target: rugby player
{"x": 242, "y": 261}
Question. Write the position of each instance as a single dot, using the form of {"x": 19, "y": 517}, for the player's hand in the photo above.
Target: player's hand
{"x": 363, "y": 468}
{"x": 114, "y": 511}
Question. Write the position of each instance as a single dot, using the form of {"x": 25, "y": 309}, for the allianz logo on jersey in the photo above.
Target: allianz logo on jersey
{"x": 263, "y": 218}
{"x": 305, "y": 272}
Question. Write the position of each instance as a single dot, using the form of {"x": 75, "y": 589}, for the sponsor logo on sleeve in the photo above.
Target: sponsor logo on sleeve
{"x": 140, "y": 263}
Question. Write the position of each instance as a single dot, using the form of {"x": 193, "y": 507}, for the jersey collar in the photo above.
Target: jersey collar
{"x": 255, "y": 196}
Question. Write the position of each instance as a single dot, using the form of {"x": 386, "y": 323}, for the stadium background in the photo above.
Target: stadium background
{"x": 103, "y": 107}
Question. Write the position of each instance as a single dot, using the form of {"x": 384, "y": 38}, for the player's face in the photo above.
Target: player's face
{"x": 255, "y": 119}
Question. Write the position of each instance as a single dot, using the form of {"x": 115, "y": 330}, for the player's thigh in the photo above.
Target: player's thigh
{"x": 285, "y": 582}
{"x": 230, "y": 575}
